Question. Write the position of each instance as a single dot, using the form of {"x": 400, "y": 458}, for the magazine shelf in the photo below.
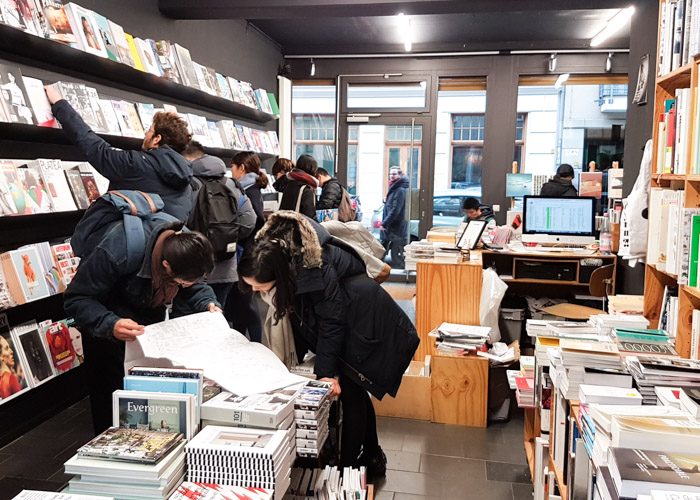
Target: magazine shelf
{"x": 28, "y": 49}
{"x": 18, "y": 230}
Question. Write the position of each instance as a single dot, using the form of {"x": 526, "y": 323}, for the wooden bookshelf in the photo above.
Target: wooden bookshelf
{"x": 531, "y": 431}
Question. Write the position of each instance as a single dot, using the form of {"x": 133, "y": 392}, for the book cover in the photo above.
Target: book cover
{"x": 36, "y": 197}
{"x": 13, "y": 373}
{"x": 223, "y": 89}
{"x": 10, "y": 14}
{"x": 24, "y": 274}
{"x": 14, "y": 95}
{"x": 84, "y": 25}
{"x": 134, "y": 445}
{"x": 685, "y": 244}
{"x": 30, "y": 17}
{"x": 58, "y": 340}
{"x": 55, "y": 22}
{"x": 238, "y": 441}
{"x": 39, "y": 103}
{"x": 121, "y": 44}
{"x": 6, "y": 300}
{"x": 260, "y": 410}
{"x": 104, "y": 31}
{"x": 263, "y": 100}
{"x": 101, "y": 181}
{"x": 33, "y": 351}
{"x": 80, "y": 100}
{"x": 191, "y": 386}
{"x": 210, "y": 81}
{"x": 198, "y": 127}
{"x": 168, "y": 60}
{"x": 111, "y": 122}
{"x": 225, "y": 128}
{"x": 65, "y": 260}
{"x": 185, "y": 66}
{"x": 164, "y": 412}
{"x": 128, "y": 118}
{"x": 189, "y": 490}
{"x": 236, "y": 90}
{"x": 134, "y": 51}
{"x": 248, "y": 94}
{"x": 93, "y": 101}
{"x": 147, "y": 56}
{"x": 89, "y": 184}
{"x": 11, "y": 192}
{"x": 591, "y": 184}
{"x": 646, "y": 348}
{"x": 76, "y": 339}
{"x": 272, "y": 134}
{"x": 146, "y": 113}
{"x": 77, "y": 189}
{"x": 51, "y": 273}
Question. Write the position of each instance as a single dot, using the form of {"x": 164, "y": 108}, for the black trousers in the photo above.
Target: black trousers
{"x": 104, "y": 370}
{"x": 242, "y": 314}
{"x": 359, "y": 432}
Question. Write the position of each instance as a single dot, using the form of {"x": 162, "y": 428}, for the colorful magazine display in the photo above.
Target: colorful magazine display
{"x": 134, "y": 445}
{"x": 13, "y": 372}
{"x": 58, "y": 339}
{"x": 33, "y": 352}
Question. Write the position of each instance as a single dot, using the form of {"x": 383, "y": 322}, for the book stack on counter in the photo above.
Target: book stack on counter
{"x": 626, "y": 305}
{"x": 328, "y": 484}
{"x": 245, "y": 457}
{"x": 128, "y": 464}
{"x": 650, "y": 372}
{"x": 311, "y": 410}
{"x": 461, "y": 339}
{"x": 306, "y": 367}
{"x": 418, "y": 251}
{"x": 543, "y": 347}
{"x": 52, "y": 495}
{"x": 644, "y": 342}
{"x": 606, "y": 323}
{"x": 192, "y": 491}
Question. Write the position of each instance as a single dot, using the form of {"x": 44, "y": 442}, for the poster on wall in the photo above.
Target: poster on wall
{"x": 640, "y": 92}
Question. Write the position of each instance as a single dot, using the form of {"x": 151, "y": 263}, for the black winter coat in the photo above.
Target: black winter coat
{"x": 161, "y": 170}
{"x": 559, "y": 187}
{"x": 394, "y": 215}
{"x": 308, "y": 198}
{"x": 351, "y": 323}
{"x": 331, "y": 195}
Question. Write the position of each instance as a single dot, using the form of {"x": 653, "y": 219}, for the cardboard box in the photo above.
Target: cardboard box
{"x": 413, "y": 399}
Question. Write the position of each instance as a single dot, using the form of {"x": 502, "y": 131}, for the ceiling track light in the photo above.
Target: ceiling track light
{"x": 614, "y": 25}
{"x": 312, "y": 72}
{"x": 405, "y": 27}
{"x": 608, "y": 62}
{"x": 552, "y": 63}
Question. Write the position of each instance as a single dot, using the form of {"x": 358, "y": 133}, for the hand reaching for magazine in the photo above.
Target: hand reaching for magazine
{"x": 335, "y": 386}
{"x": 127, "y": 330}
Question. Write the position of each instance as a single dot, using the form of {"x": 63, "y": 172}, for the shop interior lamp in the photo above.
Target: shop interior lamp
{"x": 614, "y": 25}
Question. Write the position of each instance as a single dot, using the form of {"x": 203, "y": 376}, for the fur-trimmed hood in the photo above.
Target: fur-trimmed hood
{"x": 311, "y": 245}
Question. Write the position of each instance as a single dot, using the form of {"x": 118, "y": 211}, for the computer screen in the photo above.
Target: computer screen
{"x": 558, "y": 220}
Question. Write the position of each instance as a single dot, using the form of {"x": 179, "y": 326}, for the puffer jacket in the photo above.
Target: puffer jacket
{"x": 558, "y": 187}
{"x": 331, "y": 195}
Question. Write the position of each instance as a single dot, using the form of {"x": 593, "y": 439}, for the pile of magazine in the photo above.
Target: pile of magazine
{"x": 128, "y": 463}
{"x": 311, "y": 409}
{"x": 329, "y": 483}
{"x": 459, "y": 339}
{"x": 190, "y": 491}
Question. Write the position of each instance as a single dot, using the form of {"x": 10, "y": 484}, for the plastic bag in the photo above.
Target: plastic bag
{"x": 492, "y": 291}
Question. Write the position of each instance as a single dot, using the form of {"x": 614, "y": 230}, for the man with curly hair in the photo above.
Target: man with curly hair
{"x": 158, "y": 167}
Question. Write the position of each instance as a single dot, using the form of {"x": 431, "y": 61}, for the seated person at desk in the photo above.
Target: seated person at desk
{"x": 474, "y": 210}
{"x": 561, "y": 184}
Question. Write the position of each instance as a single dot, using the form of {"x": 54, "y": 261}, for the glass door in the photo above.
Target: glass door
{"x": 383, "y": 166}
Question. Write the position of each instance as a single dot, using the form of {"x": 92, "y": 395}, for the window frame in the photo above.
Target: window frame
{"x": 461, "y": 143}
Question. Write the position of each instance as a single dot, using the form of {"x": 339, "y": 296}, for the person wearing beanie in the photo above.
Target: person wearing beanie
{"x": 561, "y": 185}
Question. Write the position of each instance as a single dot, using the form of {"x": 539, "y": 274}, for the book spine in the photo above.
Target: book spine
{"x": 694, "y": 247}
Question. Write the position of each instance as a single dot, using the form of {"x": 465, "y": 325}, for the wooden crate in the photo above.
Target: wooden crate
{"x": 413, "y": 399}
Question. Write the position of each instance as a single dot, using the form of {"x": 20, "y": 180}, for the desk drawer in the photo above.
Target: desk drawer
{"x": 557, "y": 270}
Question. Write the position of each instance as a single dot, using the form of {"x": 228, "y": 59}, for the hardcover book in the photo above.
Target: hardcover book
{"x": 54, "y": 180}
{"x": 173, "y": 413}
{"x": 13, "y": 373}
{"x": 33, "y": 352}
{"x": 13, "y": 95}
{"x": 259, "y": 410}
{"x": 58, "y": 340}
{"x": 134, "y": 445}
{"x": 191, "y": 386}
{"x": 105, "y": 33}
{"x": 237, "y": 442}
{"x": 77, "y": 189}
{"x": 84, "y": 26}
{"x": 24, "y": 275}
{"x": 56, "y": 24}
{"x": 39, "y": 103}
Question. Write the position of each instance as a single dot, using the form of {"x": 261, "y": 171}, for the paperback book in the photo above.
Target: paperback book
{"x": 257, "y": 410}
{"x": 121, "y": 44}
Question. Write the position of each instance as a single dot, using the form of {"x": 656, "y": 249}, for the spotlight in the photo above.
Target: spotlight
{"x": 313, "y": 68}
{"x": 553, "y": 63}
{"x": 608, "y": 63}
{"x": 614, "y": 25}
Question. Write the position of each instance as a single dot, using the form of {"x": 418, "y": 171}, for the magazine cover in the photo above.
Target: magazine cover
{"x": 27, "y": 269}
{"x": 166, "y": 58}
{"x": 199, "y": 71}
{"x": 185, "y": 66}
{"x": 84, "y": 25}
{"x": 148, "y": 57}
{"x": 66, "y": 261}
{"x": 10, "y": 189}
{"x": 223, "y": 90}
{"x": 154, "y": 411}
{"x": 55, "y": 183}
{"x": 56, "y": 24}
{"x": 198, "y": 127}
{"x": 33, "y": 351}
{"x": 13, "y": 380}
{"x": 58, "y": 340}
{"x": 134, "y": 445}
{"x": 14, "y": 95}
{"x": 146, "y": 113}
{"x": 76, "y": 186}
{"x": 30, "y": 17}
{"x": 6, "y": 300}
{"x": 105, "y": 33}
{"x": 76, "y": 339}
{"x": 36, "y": 197}
{"x": 89, "y": 184}
{"x": 10, "y": 14}
{"x": 39, "y": 103}
{"x": 110, "y": 117}
{"x": 52, "y": 275}
{"x": 94, "y": 103}
{"x": 210, "y": 79}
{"x": 121, "y": 43}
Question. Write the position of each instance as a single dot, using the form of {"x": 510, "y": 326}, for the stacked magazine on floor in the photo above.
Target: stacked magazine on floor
{"x": 329, "y": 483}
{"x": 128, "y": 464}
{"x": 311, "y": 409}
{"x": 203, "y": 491}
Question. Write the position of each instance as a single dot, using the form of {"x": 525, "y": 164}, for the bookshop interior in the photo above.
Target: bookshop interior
{"x": 312, "y": 249}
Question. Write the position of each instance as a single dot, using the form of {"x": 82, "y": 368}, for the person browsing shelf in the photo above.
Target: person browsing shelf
{"x": 362, "y": 339}
{"x": 280, "y": 169}
{"x": 158, "y": 167}
{"x": 562, "y": 183}
{"x": 112, "y": 302}
{"x": 331, "y": 190}
{"x": 300, "y": 192}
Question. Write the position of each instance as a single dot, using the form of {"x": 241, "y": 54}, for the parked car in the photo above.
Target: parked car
{"x": 447, "y": 210}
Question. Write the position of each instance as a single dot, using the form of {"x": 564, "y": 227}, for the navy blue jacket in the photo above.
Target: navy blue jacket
{"x": 105, "y": 290}
{"x": 394, "y": 216}
{"x": 161, "y": 170}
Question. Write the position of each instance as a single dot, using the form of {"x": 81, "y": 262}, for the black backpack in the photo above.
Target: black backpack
{"x": 222, "y": 215}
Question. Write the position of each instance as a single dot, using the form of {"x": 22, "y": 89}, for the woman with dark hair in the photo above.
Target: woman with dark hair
{"x": 362, "y": 339}
{"x": 239, "y": 307}
{"x": 279, "y": 171}
{"x": 300, "y": 192}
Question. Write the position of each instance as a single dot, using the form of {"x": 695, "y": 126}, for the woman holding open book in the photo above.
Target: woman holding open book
{"x": 362, "y": 339}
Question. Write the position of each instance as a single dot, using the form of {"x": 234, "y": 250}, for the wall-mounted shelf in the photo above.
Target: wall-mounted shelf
{"x": 32, "y": 50}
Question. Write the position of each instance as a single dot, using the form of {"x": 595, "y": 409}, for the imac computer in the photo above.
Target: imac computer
{"x": 558, "y": 221}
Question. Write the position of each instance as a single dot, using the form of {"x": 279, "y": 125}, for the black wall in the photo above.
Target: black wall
{"x": 640, "y": 119}
{"x": 230, "y": 46}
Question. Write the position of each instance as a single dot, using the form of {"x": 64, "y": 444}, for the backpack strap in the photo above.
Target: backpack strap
{"x": 133, "y": 227}
{"x": 301, "y": 191}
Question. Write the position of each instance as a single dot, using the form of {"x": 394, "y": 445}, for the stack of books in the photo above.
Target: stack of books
{"x": 190, "y": 491}
{"x": 645, "y": 342}
{"x": 270, "y": 410}
{"x": 461, "y": 339}
{"x": 690, "y": 400}
{"x": 311, "y": 409}
{"x": 626, "y": 305}
{"x": 128, "y": 464}
{"x": 234, "y": 456}
{"x": 649, "y": 372}
{"x": 608, "y": 395}
{"x": 525, "y": 392}
{"x": 328, "y": 483}
{"x": 418, "y": 251}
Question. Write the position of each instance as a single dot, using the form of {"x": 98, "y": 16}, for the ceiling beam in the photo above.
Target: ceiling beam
{"x": 294, "y": 9}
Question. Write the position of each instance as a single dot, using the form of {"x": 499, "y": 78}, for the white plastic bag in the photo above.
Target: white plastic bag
{"x": 492, "y": 291}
